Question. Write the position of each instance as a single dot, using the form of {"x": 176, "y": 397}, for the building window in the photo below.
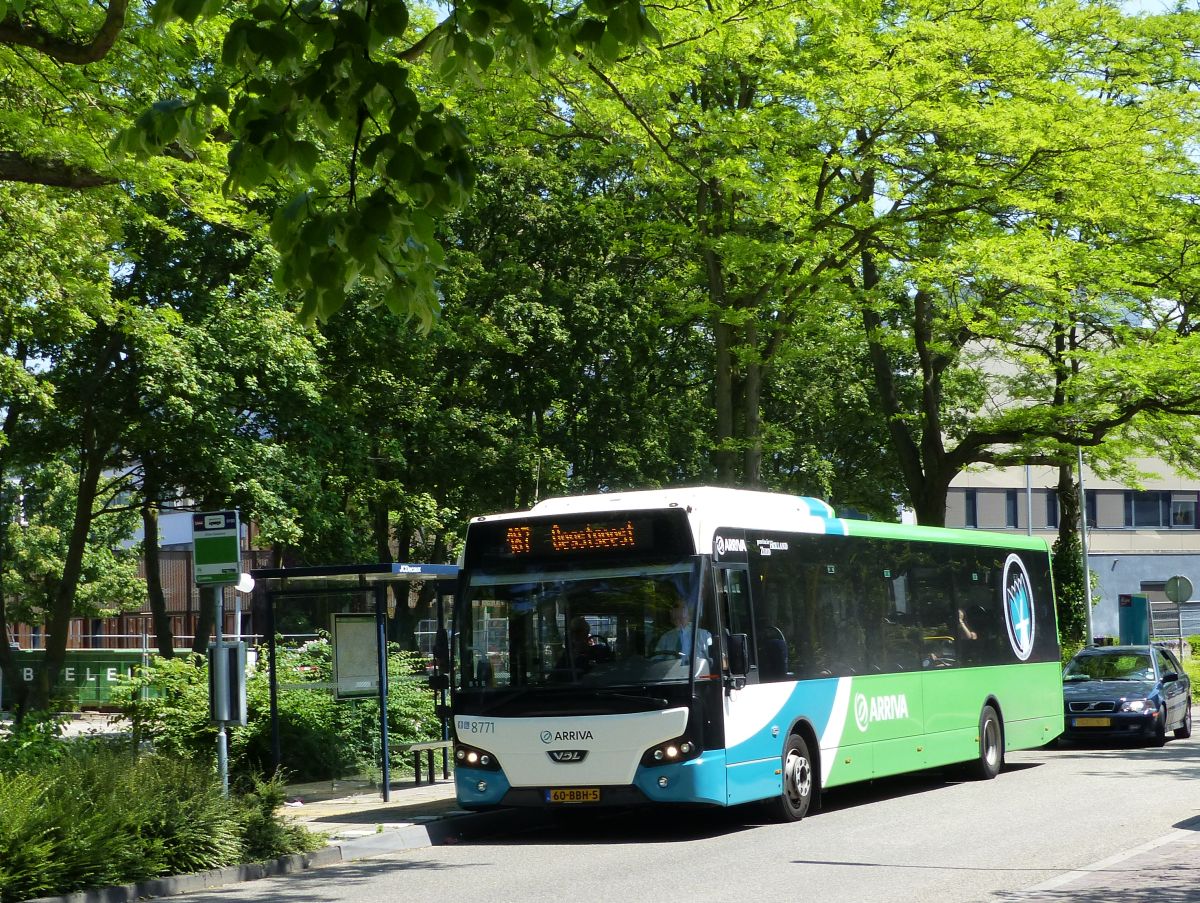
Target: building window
{"x": 1010, "y": 509}
{"x": 1148, "y": 509}
{"x": 970, "y": 508}
{"x": 1090, "y": 509}
{"x": 1183, "y": 511}
{"x": 1052, "y": 509}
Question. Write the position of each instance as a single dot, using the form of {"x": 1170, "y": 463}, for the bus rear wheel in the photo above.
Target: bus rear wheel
{"x": 991, "y": 745}
{"x": 799, "y": 781}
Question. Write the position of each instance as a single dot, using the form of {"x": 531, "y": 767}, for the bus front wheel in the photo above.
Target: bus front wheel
{"x": 991, "y": 745}
{"x": 798, "y": 781}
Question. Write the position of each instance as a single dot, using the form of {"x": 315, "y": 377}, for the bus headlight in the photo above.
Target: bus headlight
{"x": 678, "y": 750}
{"x": 473, "y": 757}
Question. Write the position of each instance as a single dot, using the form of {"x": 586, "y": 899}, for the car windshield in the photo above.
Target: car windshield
{"x": 594, "y": 628}
{"x": 1110, "y": 666}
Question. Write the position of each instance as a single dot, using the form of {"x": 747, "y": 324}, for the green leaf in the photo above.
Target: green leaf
{"x": 391, "y": 18}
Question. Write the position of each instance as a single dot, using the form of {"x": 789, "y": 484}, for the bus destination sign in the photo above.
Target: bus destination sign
{"x": 543, "y": 539}
{"x": 575, "y": 539}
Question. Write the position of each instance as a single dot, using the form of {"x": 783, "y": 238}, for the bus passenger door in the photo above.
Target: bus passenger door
{"x": 752, "y": 711}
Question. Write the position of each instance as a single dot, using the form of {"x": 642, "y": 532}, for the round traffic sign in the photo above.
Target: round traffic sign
{"x": 1179, "y": 589}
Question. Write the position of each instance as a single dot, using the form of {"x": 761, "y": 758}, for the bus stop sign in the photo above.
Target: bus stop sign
{"x": 216, "y": 547}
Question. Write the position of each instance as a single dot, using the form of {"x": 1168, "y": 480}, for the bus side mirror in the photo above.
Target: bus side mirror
{"x": 739, "y": 654}
{"x": 441, "y": 650}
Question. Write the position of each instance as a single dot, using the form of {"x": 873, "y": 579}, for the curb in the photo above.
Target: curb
{"x": 448, "y": 829}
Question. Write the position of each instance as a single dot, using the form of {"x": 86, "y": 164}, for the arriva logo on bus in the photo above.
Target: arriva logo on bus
{"x": 879, "y": 708}
{"x": 724, "y": 544}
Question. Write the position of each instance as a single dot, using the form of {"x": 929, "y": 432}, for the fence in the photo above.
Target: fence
{"x": 1171, "y": 623}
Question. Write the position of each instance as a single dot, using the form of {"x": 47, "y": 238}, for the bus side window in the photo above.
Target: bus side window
{"x": 733, "y": 597}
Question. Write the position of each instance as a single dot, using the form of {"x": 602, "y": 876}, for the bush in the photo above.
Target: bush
{"x": 34, "y": 741}
{"x": 1194, "y": 643}
{"x": 320, "y": 737}
{"x": 96, "y": 814}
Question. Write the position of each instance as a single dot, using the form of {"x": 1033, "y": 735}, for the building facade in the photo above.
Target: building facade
{"x": 1137, "y": 538}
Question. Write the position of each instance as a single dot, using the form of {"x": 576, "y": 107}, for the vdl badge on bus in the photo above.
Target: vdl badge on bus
{"x": 717, "y": 647}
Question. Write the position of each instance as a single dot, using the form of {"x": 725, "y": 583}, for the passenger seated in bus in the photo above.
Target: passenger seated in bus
{"x": 678, "y": 639}
{"x": 964, "y": 628}
{"x": 582, "y": 650}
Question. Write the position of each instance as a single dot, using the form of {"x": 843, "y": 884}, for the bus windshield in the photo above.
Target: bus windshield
{"x": 603, "y": 627}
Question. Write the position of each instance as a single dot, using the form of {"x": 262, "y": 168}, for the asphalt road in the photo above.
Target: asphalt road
{"x": 928, "y": 837}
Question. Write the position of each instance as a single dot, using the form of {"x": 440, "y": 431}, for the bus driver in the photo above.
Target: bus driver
{"x": 679, "y": 638}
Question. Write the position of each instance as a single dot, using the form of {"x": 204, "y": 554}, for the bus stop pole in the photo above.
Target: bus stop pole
{"x": 1088, "y": 639}
{"x": 220, "y": 666}
{"x": 273, "y": 685}
{"x": 381, "y": 635}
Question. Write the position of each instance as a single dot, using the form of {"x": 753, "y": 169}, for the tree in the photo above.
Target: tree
{"x": 975, "y": 196}
{"x": 217, "y": 362}
{"x": 297, "y": 84}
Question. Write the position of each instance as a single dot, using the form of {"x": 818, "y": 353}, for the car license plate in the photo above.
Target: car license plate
{"x": 573, "y": 795}
{"x": 1092, "y": 722}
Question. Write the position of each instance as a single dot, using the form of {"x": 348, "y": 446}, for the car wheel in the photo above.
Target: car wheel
{"x": 1185, "y": 730}
{"x": 991, "y": 745}
{"x": 1159, "y": 737}
{"x": 799, "y": 781}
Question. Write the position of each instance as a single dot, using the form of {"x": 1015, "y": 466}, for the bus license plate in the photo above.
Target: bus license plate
{"x": 573, "y": 795}
{"x": 1093, "y": 722}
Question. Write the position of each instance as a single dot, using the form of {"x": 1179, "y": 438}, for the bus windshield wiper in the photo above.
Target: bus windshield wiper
{"x": 657, "y": 701}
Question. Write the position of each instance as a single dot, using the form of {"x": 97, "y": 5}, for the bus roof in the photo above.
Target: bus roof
{"x": 712, "y": 507}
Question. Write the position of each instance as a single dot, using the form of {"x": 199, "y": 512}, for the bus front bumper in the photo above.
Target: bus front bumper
{"x": 699, "y": 781}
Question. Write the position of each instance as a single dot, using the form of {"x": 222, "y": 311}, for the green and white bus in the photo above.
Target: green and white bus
{"x": 719, "y": 646}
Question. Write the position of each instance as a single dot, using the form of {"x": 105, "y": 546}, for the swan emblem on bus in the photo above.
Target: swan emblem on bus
{"x": 1018, "y": 607}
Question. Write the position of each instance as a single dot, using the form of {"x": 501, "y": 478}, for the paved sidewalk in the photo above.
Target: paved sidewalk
{"x": 1164, "y": 870}
{"x": 350, "y": 811}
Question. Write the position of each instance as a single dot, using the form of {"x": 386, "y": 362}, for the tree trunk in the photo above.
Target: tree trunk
{"x": 206, "y": 619}
{"x": 63, "y": 606}
{"x": 724, "y": 457}
{"x": 154, "y": 588}
{"x": 752, "y": 415}
{"x": 1070, "y": 594}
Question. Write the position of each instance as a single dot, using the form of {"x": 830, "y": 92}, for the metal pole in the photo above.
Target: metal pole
{"x": 1029, "y": 500}
{"x": 144, "y": 692}
{"x": 273, "y": 685}
{"x": 381, "y": 635}
{"x": 1083, "y": 536}
{"x": 220, "y": 685}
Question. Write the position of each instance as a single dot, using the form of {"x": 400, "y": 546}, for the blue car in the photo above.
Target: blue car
{"x": 1126, "y": 693}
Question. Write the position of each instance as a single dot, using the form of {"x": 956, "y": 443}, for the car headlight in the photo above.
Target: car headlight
{"x": 1139, "y": 705}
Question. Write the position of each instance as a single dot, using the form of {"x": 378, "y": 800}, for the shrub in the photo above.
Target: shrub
{"x": 95, "y": 814}
{"x": 33, "y": 741}
{"x": 1194, "y": 643}
{"x": 320, "y": 737}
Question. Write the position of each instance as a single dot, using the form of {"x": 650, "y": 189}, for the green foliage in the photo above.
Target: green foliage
{"x": 320, "y": 737}
{"x": 167, "y": 705}
{"x": 1070, "y": 593}
{"x": 327, "y": 110}
{"x": 1194, "y": 642}
{"x": 96, "y": 814}
{"x": 264, "y": 834}
{"x": 37, "y": 549}
{"x": 34, "y": 741}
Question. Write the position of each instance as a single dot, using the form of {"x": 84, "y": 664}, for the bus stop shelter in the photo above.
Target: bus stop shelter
{"x": 355, "y": 599}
